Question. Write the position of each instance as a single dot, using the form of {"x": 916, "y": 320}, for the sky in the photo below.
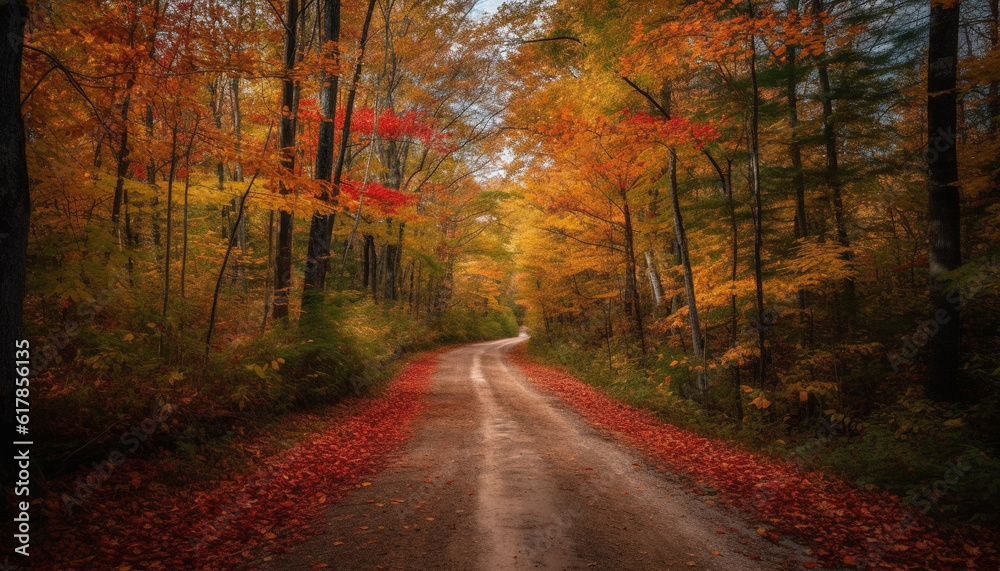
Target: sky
{"x": 488, "y": 6}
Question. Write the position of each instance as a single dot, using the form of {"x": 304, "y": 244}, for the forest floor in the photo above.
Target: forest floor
{"x": 477, "y": 458}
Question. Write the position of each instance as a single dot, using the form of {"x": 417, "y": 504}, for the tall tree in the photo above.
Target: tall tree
{"x": 345, "y": 135}
{"x": 319, "y": 234}
{"x": 794, "y": 145}
{"x": 286, "y": 138}
{"x": 755, "y": 190}
{"x": 680, "y": 237}
{"x": 833, "y": 174}
{"x": 943, "y": 214}
{"x": 680, "y": 242}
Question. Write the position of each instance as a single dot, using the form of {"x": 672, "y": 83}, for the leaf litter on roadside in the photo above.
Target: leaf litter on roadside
{"x": 841, "y": 524}
{"x": 225, "y": 525}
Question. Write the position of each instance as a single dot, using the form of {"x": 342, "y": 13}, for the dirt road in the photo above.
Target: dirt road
{"x": 500, "y": 476}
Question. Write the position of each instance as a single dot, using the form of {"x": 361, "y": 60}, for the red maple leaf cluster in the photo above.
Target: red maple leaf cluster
{"x": 841, "y": 524}
{"x": 389, "y": 200}
{"x": 396, "y": 127}
{"x": 226, "y": 525}
{"x": 675, "y": 128}
{"x": 392, "y": 126}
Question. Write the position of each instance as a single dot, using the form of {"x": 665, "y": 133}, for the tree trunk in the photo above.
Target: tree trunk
{"x": 397, "y": 286}
{"x": 632, "y": 305}
{"x": 373, "y": 265}
{"x": 944, "y": 216}
{"x": 151, "y": 165}
{"x": 833, "y": 168}
{"x": 409, "y": 290}
{"x": 654, "y": 278}
{"x": 268, "y": 278}
{"x": 416, "y": 295}
{"x": 216, "y": 103}
{"x": 794, "y": 147}
{"x": 282, "y": 265}
{"x": 130, "y": 239}
{"x": 14, "y": 220}
{"x": 149, "y": 122}
{"x": 187, "y": 187}
{"x": 697, "y": 347}
{"x": 675, "y": 253}
{"x": 122, "y": 154}
{"x": 184, "y": 236}
{"x": 389, "y": 273}
{"x": 283, "y": 256}
{"x": 238, "y": 176}
{"x": 345, "y": 134}
{"x": 734, "y": 240}
{"x": 366, "y": 261}
{"x": 993, "y": 104}
{"x": 122, "y": 160}
{"x": 734, "y": 245}
{"x": 241, "y": 241}
{"x": 99, "y": 147}
{"x": 380, "y": 270}
{"x": 319, "y": 235}
{"x": 225, "y": 260}
{"x": 234, "y": 89}
{"x": 758, "y": 239}
{"x": 170, "y": 226}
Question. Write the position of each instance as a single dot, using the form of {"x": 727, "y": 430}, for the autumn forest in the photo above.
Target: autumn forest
{"x": 277, "y": 273}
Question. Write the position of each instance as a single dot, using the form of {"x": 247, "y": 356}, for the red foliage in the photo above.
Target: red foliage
{"x": 391, "y": 126}
{"x": 388, "y": 199}
{"x": 224, "y": 525}
{"x": 137, "y": 170}
{"x": 679, "y": 128}
{"x": 309, "y": 110}
{"x": 396, "y": 127}
{"x": 842, "y": 525}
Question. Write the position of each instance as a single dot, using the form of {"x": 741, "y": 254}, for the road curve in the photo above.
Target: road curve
{"x": 499, "y": 476}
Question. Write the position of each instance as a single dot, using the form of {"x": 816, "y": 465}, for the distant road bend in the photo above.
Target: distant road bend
{"x": 499, "y": 476}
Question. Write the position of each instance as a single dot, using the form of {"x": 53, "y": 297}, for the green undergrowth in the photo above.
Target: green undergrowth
{"x": 125, "y": 368}
{"x": 937, "y": 456}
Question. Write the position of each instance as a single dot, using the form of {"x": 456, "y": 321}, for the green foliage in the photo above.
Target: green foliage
{"x": 459, "y": 324}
